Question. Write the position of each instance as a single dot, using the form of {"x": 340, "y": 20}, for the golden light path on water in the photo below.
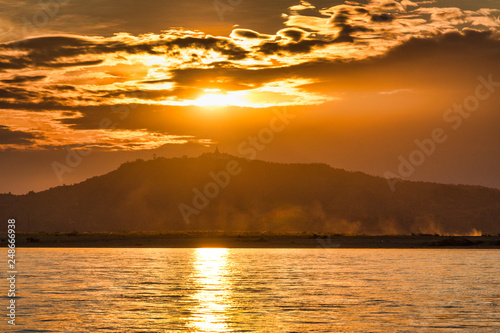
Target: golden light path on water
{"x": 257, "y": 290}
{"x": 213, "y": 290}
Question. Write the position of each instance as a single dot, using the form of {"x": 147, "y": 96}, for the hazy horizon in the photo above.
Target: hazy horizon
{"x": 151, "y": 155}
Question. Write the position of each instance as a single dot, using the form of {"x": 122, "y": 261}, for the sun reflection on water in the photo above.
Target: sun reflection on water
{"x": 212, "y": 290}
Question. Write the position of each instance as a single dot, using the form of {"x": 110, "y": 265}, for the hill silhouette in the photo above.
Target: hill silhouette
{"x": 222, "y": 192}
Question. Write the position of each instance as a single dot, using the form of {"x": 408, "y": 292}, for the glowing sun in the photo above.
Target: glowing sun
{"x": 213, "y": 97}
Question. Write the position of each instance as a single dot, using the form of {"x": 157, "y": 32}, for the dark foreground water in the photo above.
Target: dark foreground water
{"x": 256, "y": 290}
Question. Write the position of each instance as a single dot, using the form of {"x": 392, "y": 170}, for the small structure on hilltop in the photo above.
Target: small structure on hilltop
{"x": 217, "y": 154}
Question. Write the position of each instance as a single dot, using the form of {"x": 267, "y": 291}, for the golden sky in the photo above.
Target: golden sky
{"x": 363, "y": 79}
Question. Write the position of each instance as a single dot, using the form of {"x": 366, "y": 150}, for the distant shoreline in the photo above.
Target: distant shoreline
{"x": 247, "y": 240}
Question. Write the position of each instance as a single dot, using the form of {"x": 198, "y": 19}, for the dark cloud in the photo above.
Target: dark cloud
{"x": 477, "y": 46}
{"x": 73, "y": 64}
{"x": 61, "y": 87}
{"x": 18, "y": 94}
{"x": 361, "y": 10}
{"x": 37, "y": 99}
{"x": 22, "y": 79}
{"x": 156, "y": 81}
{"x": 300, "y": 45}
{"x": 41, "y": 51}
{"x": 382, "y": 18}
{"x": 24, "y": 99}
{"x": 219, "y": 44}
{"x": 342, "y": 19}
{"x": 304, "y": 46}
{"x": 11, "y": 62}
{"x": 341, "y": 16}
{"x": 8, "y": 137}
{"x": 307, "y": 45}
{"x": 293, "y": 33}
{"x": 344, "y": 36}
{"x": 391, "y": 5}
{"x": 49, "y": 51}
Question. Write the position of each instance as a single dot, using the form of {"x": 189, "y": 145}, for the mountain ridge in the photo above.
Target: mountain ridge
{"x": 251, "y": 195}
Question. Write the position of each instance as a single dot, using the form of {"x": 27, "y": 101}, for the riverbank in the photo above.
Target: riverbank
{"x": 246, "y": 240}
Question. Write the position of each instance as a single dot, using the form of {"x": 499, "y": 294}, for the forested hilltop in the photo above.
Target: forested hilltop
{"x": 222, "y": 192}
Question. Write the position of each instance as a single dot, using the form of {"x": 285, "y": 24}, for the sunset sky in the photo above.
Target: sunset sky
{"x": 361, "y": 84}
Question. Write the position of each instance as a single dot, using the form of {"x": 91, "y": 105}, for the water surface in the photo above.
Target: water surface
{"x": 257, "y": 290}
